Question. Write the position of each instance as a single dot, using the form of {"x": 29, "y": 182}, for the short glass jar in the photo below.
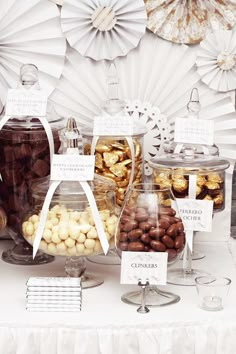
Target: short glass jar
{"x": 173, "y": 171}
{"x": 70, "y": 228}
{"x": 149, "y": 223}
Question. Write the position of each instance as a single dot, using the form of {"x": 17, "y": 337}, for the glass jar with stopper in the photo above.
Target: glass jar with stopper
{"x": 71, "y": 228}
{"x": 118, "y": 156}
{"x": 149, "y": 223}
{"x": 194, "y": 109}
{"x": 194, "y": 176}
{"x": 25, "y": 151}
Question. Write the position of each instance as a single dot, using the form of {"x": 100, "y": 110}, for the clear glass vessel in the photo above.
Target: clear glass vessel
{"x": 25, "y": 157}
{"x": 149, "y": 223}
{"x": 174, "y": 171}
{"x": 70, "y": 229}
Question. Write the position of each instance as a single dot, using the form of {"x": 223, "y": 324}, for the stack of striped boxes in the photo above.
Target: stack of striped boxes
{"x": 46, "y": 294}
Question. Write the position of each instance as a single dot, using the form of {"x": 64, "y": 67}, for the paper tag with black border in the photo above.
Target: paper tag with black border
{"x": 196, "y": 215}
{"x": 22, "y": 102}
{"x": 194, "y": 131}
{"x": 72, "y": 167}
{"x": 113, "y": 126}
{"x": 151, "y": 266}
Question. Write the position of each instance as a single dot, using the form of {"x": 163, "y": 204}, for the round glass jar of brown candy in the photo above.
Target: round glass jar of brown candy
{"x": 149, "y": 222}
{"x": 113, "y": 158}
{"x": 25, "y": 157}
{"x": 173, "y": 171}
{"x": 70, "y": 228}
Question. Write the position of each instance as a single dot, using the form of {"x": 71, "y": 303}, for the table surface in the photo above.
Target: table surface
{"x": 102, "y": 306}
{"x": 103, "y": 314}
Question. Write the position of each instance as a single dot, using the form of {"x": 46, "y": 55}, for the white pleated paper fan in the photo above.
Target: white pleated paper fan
{"x": 103, "y": 29}
{"x": 189, "y": 21}
{"x": 58, "y": 2}
{"x": 158, "y": 73}
{"x": 30, "y": 32}
{"x": 216, "y": 60}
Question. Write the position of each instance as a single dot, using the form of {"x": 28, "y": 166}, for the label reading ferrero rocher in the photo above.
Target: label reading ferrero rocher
{"x": 113, "y": 126}
{"x": 196, "y": 214}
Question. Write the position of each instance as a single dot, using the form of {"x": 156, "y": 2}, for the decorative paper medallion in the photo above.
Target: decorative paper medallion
{"x": 103, "y": 29}
{"x": 30, "y": 32}
{"x": 216, "y": 60}
{"x": 189, "y": 21}
{"x": 146, "y": 81}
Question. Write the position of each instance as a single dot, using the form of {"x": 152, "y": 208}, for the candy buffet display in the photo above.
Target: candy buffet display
{"x": 25, "y": 157}
{"x": 149, "y": 223}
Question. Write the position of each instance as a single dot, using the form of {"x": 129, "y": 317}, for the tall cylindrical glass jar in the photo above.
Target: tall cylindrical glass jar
{"x": 25, "y": 157}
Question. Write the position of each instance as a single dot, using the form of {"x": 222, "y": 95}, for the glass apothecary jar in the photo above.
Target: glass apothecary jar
{"x": 114, "y": 160}
{"x": 24, "y": 158}
{"x": 149, "y": 222}
{"x": 70, "y": 228}
{"x": 173, "y": 171}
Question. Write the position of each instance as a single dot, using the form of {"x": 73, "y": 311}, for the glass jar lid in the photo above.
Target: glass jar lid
{"x": 211, "y": 150}
{"x": 191, "y": 163}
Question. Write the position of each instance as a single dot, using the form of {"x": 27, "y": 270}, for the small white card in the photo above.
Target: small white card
{"x": 196, "y": 214}
{"x": 21, "y": 102}
{"x": 113, "y": 125}
{"x": 151, "y": 266}
{"x": 194, "y": 131}
{"x": 72, "y": 167}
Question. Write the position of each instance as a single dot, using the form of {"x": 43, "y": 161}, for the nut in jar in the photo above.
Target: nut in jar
{"x": 69, "y": 232}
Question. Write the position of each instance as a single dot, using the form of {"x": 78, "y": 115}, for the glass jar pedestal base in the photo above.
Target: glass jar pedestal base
{"x": 111, "y": 258}
{"x": 90, "y": 281}
{"x": 22, "y": 254}
{"x": 197, "y": 255}
{"x": 154, "y": 297}
{"x": 76, "y": 267}
{"x": 180, "y": 276}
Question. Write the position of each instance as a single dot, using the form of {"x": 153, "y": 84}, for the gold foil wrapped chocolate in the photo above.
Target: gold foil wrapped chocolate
{"x": 208, "y": 186}
{"x": 215, "y": 177}
{"x": 113, "y": 160}
{"x": 180, "y": 185}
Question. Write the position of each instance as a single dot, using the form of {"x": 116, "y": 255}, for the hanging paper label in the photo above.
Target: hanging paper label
{"x": 72, "y": 167}
{"x": 196, "y": 214}
{"x": 113, "y": 126}
{"x": 144, "y": 266}
{"x": 26, "y": 103}
{"x": 194, "y": 131}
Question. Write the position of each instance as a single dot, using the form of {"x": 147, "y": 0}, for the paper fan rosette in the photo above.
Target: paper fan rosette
{"x": 155, "y": 91}
{"x": 216, "y": 60}
{"x": 189, "y": 21}
{"x": 103, "y": 29}
{"x": 30, "y": 32}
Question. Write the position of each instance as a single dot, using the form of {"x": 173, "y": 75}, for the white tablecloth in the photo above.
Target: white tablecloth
{"x": 106, "y": 325}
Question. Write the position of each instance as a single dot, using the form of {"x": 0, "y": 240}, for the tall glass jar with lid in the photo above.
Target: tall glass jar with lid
{"x": 25, "y": 157}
